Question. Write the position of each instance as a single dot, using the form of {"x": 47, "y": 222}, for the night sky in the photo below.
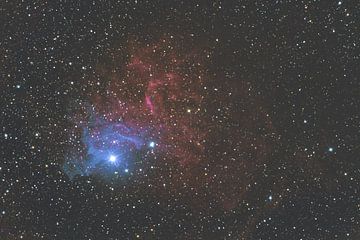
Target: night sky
{"x": 180, "y": 120}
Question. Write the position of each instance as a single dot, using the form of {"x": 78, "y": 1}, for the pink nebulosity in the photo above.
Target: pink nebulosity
{"x": 160, "y": 92}
{"x": 149, "y": 104}
{"x": 157, "y": 92}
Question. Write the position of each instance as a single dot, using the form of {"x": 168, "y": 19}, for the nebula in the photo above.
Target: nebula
{"x": 152, "y": 124}
{"x": 110, "y": 147}
{"x": 158, "y": 123}
{"x": 153, "y": 102}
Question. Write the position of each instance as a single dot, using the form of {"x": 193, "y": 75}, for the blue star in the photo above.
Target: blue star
{"x": 152, "y": 144}
{"x": 112, "y": 158}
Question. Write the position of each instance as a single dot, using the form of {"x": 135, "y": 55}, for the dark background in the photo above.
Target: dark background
{"x": 295, "y": 62}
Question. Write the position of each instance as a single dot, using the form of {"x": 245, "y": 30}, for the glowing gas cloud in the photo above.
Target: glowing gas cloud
{"x": 109, "y": 147}
{"x": 153, "y": 104}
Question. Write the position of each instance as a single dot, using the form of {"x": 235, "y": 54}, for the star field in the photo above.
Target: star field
{"x": 180, "y": 120}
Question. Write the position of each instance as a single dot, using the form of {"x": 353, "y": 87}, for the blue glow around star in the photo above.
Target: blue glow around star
{"x": 109, "y": 147}
{"x": 112, "y": 158}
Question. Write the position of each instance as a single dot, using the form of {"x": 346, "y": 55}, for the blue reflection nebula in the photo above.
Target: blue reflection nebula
{"x": 109, "y": 147}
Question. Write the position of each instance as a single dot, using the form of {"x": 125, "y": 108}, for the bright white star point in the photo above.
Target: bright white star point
{"x": 112, "y": 158}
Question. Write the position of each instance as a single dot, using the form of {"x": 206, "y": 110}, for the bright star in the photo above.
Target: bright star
{"x": 126, "y": 170}
{"x": 112, "y": 158}
{"x": 331, "y": 149}
{"x": 152, "y": 144}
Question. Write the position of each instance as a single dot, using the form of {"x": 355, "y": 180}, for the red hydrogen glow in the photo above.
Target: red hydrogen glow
{"x": 161, "y": 89}
{"x": 165, "y": 90}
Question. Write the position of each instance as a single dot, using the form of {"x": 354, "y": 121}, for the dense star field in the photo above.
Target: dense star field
{"x": 180, "y": 120}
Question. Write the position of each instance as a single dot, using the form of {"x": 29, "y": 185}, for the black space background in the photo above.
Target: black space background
{"x": 268, "y": 45}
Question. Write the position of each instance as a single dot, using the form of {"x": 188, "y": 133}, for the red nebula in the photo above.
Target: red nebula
{"x": 167, "y": 91}
{"x": 162, "y": 89}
